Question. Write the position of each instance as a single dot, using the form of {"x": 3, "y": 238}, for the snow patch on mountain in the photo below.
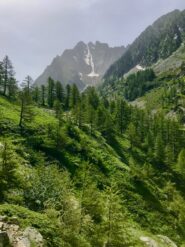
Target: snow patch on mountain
{"x": 175, "y": 37}
{"x": 93, "y": 74}
{"x": 81, "y": 76}
{"x": 88, "y": 56}
{"x": 89, "y": 61}
{"x": 180, "y": 29}
{"x": 139, "y": 67}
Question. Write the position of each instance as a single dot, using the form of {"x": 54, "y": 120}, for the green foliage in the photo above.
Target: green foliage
{"x": 10, "y": 179}
{"x": 51, "y": 92}
{"x": 47, "y": 186}
{"x": 159, "y": 149}
{"x": 132, "y": 134}
{"x": 74, "y": 97}
{"x": 97, "y": 170}
{"x": 137, "y": 84}
{"x": 49, "y": 227}
{"x": 116, "y": 218}
{"x": 60, "y": 92}
{"x": 26, "y": 112}
{"x": 8, "y": 81}
{"x": 181, "y": 162}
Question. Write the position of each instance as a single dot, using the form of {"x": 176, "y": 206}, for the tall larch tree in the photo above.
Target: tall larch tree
{"x": 27, "y": 84}
{"x": 68, "y": 96}
{"x": 8, "y": 73}
{"x": 43, "y": 95}
{"x": 51, "y": 92}
{"x": 9, "y": 178}
{"x": 75, "y": 96}
{"x": 26, "y": 113}
{"x": 59, "y": 92}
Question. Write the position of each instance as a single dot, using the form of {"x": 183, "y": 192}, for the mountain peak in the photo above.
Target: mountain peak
{"x": 80, "y": 44}
{"x": 83, "y": 65}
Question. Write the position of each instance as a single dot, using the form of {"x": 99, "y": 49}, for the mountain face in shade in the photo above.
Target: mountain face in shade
{"x": 158, "y": 41}
{"x": 84, "y": 65}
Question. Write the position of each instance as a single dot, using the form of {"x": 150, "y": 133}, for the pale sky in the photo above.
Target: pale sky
{"x": 33, "y": 32}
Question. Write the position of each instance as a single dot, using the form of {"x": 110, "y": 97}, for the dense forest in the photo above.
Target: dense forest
{"x": 87, "y": 169}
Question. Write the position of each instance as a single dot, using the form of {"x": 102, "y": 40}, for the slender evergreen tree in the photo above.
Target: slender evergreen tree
{"x": 27, "y": 84}
{"x": 59, "y": 92}
{"x": 75, "y": 96}
{"x": 9, "y": 177}
{"x": 51, "y": 92}
{"x": 26, "y": 112}
{"x": 181, "y": 162}
{"x": 43, "y": 95}
{"x": 68, "y": 96}
{"x": 8, "y": 73}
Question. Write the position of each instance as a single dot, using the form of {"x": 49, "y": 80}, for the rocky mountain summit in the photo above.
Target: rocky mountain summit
{"x": 84, "y": 65}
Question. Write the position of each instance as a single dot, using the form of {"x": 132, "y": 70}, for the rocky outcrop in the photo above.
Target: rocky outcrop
{"x": 11, "y": 235}
{"x": 159, "y": 241}
{"x": 167, "y": 241}
{"x": 149, "y": 241}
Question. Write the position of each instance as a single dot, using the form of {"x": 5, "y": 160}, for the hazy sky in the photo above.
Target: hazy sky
{"x": 33, "y": 32}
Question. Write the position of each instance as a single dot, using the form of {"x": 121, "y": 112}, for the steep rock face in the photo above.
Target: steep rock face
{"x": 84, "y": 65}
{"x": 158, "y": 41}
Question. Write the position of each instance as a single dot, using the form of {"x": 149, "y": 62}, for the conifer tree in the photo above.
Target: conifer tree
{"x": 90, "y": 198}
{"x": 93, "y": 98}
{"x": 159, "y": 149}
{"x": 149, "y": 141}
{"x": 68, "y": 96}
{"x": 175, "y": 137}
{"x": 57, "y": 108}
{"x": 132, "y": 135}
{"x": 169, "y": 155}
{"x": 181, "y": 161}
{"x": 1, "y": 77}
{"x": 91, "y": 118}
{"x": 43, "y": 95}
{"x": 100, "y": 118}
{"x": 9, "y": 178}
{"x": 104, "y": 122}
{"x": 112, "y": 107}
{"x": 116, "y": 234}
{"x": 51, "y": 92}
{"x": 122, "y": 116}
{"x": 79, "y": 114}
{"x": 59, "y": 92}
{"x": 26, "y": 113}
{"x": 75, "y": 96}
{"x": 12, "y": 87}
{"x": 8, "y": 73}
{"x": 36, "y": 94}
{"x": 27, "y": 84}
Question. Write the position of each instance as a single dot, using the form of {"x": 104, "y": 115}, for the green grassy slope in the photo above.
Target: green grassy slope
{"x": 145, "y": 190}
